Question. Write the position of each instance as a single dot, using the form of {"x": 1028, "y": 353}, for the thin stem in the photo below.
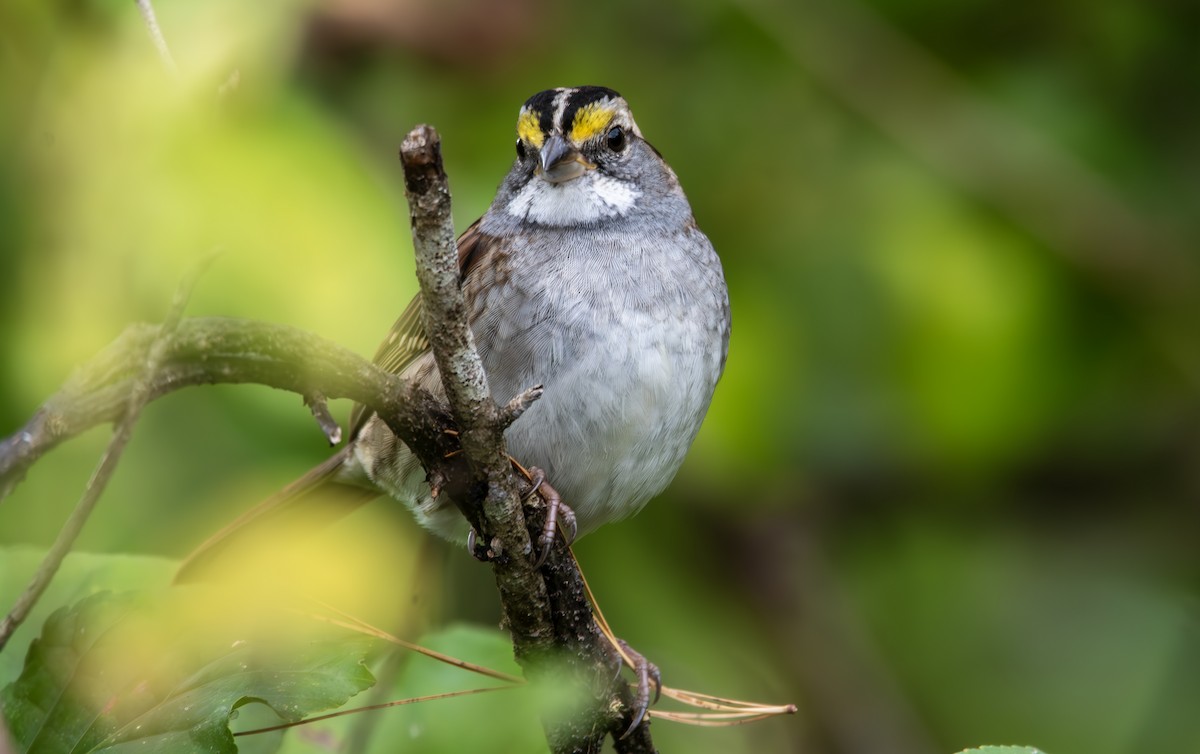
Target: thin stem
{"x": 138, "y": 396}
{"x": 156, "y": 35}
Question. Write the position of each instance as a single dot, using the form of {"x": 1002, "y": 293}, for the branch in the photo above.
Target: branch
{"x": 209, "y": 351}
{"x": 138, "y": 395}
{"x": 547, "y": 612}
{"x": 146, "y": 362}
{"x": 498, "y": 515}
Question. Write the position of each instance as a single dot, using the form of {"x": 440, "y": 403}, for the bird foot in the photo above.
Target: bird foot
{"x": 646, "y": 672}
{"x": 556, "y": 510}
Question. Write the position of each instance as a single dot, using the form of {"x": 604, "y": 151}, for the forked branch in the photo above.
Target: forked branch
{"x": 546, "y": 609}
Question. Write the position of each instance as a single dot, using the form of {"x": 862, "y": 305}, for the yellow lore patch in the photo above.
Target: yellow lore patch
{"x": 528, "y": 129}
{"x": 591, "y": 120}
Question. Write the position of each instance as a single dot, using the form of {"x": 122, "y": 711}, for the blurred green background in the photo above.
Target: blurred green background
{"x": 947, "y": 492}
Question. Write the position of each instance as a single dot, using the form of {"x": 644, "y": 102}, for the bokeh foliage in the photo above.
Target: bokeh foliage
{"x": 946, "y": 493}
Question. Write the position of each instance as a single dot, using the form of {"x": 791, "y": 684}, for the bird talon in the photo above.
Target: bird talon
{"x": 545, "y": 545}
{"x": 568, "y": 518}
{"x": 555, "y": 509}
{"x": 482, "y": 554}
{"x": 537, "y": 478}
{"x": 637, "y": 720}
{"x": 646, "y": 672}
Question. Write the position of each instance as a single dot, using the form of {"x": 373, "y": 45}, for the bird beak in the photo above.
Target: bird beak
{"x": 560, "y": 162}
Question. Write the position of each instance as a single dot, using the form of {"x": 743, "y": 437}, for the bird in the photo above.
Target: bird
{"x": 587, "y": 275}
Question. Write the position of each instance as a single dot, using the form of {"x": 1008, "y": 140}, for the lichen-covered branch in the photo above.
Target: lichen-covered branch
{"x": 546, "y": 610}
{"x": 498, "y": 515}
{"x": 207, "y": 351}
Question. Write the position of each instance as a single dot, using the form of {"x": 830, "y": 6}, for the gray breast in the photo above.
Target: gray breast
{"x": 628, "y": 332}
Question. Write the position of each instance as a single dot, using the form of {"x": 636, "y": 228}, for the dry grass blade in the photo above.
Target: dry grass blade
{"x": 354, "y": 624}
{"x": 370, "y": 707}
{"x": 598, "y": 614}
{"x": 707, "y": 701}
{"x": 709, "y": 719}
{"x": 722, "y": 712}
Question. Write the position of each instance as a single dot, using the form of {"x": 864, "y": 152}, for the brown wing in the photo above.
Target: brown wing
{"x": 406, "y": 341}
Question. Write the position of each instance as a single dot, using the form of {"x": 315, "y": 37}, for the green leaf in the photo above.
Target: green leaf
{"x": 80, "y": 575}
{"x": 506, "y": 720}
{"x": 167, "y": 672}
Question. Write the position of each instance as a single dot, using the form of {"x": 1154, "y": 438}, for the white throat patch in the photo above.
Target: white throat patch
{"x": 582, "y": 200}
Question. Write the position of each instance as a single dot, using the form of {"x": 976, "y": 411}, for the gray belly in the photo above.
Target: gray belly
{"x": 614, "y": 423}
{"x": 629, "y": 355}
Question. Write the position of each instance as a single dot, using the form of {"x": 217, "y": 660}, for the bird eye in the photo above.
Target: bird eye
{"x": 616, "y": 138}
{"x": 520, "y": 149}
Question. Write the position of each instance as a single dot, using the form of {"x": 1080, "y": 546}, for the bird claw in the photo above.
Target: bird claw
{"x": 483, "y": 554}
{"x": 556, "y": 509}
{"x": 646, "y": 672}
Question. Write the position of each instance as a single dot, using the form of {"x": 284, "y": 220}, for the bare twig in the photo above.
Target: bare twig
{"x": 320, "y": 411}
{"x": 500, "y": 514}
{"x": 546, "y": 611}
{"x": 139, "y": 394}
{"x": 156, "y": 35}
{"x": 519, "y": 405}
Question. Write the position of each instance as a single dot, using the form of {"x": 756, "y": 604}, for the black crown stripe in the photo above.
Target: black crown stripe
{"x": 583, "y": 96}
{"x": 542, "y": 103}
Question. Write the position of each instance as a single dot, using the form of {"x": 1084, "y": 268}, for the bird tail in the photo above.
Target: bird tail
{"x": 337, "y": 499}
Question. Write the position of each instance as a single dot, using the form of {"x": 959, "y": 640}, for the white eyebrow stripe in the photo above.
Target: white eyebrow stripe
{"x": 560, "y": 107}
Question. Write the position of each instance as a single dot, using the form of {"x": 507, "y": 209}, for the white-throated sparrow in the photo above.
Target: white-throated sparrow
{"x": 589, "y": 276}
